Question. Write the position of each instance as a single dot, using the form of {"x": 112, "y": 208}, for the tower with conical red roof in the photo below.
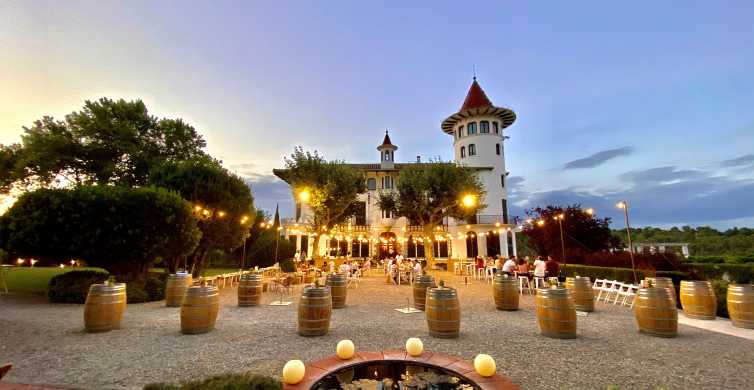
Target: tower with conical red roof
{"x": 387, "y": 153}
{"x": 478, "y": 135}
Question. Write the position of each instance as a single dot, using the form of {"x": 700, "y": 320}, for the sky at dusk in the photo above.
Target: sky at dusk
{"x": 652, "y": 102}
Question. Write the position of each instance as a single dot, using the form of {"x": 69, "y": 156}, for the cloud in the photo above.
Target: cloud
{"x": 747, "y": 159}
{"x": 662, "y": 175}
{"x": 659, "y": 196}
{"x": 598, "y": 158}
{"x": 269, "y": 191}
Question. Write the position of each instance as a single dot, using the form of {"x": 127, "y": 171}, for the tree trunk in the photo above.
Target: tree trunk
{"x": 429, "y": 246}
{"x": 172, "y": 264}
{"x": 315, "y": 249}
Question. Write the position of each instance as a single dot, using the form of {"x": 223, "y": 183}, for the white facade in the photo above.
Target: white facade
{"x": 477, "y": 132}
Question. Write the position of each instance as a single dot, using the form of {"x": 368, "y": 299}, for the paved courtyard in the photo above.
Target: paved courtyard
{"x": 47, "y": 344}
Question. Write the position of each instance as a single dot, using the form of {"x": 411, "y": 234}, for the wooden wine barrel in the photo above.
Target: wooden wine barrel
{"x": 741, "y": 305}
{"x": 250, "y": 290}
{"x": 421, "y": 284}
{"x": 443, "y": 312}
{"x": 104, "y": 306}
{"x": 337, "y": 283}
{"x": 698, "y": 299}
{"x": 582, "y": 292}
{"x": 556, "y": 313}
{"x": 664, "y": 283}
{"x": 505, "y": 292}
{"x": 314, "y": 311}
{"x": 199, "y": 309}
{"x": 175, "y": 288}
{"x": 655, "y": 312}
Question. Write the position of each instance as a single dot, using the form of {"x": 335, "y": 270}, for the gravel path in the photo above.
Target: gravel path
{"x": 47, "y": 344}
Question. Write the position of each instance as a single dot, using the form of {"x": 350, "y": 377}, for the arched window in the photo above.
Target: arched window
{"x": 472, "y": 150}
{"x": 497, "y": 149}
{"x": 484, "y": 127}
{"x": 460, "y": 132}
{"x": 495, "y": 128}
{"x": 463, "y": 151}
{"x": 471, "y": 128}
{"x": 371, "y": 183}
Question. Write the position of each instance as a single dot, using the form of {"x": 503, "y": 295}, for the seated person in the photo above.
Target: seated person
{"x": 417, "y": 268}
{"x": 552, "y": 268}
{"x": 498, "y": 264}
{"x": 479, "y": 263}
{"x": 523, "y": 266}
{"x": 510, "y": 266}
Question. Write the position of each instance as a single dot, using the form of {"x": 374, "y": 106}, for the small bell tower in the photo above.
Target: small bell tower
{"x": 387, "y": 153}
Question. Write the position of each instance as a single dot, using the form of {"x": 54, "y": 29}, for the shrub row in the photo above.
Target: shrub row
{"x": 73, "y": 286}
{"x": 727, "y": 259}
{"x": 223, "y": 382}
{"x": 616, "y": 273}
{"x": 734, "y": 273}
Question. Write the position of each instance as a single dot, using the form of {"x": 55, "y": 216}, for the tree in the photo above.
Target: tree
{"x": 107, "y": 142}
{"x": 427, "y": 193}
{"x": 222, "y": 201}
{"x": 582, "y": 232}
{"x": 120, "y": 229}
{"x": 332, "y": 188}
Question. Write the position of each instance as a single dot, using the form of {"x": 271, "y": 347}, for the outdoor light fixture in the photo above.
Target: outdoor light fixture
{"x": 20, "y": 261}
{"x": 469, "y": 200}
{"x": 589, "y": 211}
{"x": 221, "y": 214}
{"x": 541, "y": 222}
{"x": 304, "y": 195}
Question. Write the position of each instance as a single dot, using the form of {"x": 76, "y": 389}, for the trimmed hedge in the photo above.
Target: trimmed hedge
{"x": 620, "y": 274}
{"x": 735, "y": 273}
{"x": 727, "y": 259}
{"x": 73, "y": 286}
{"x": 721, "y": 293}
{"x": 153, "y": 289}
{"x": 223, "y": 382}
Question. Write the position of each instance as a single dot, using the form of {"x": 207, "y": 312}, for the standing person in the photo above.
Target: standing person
{"x": 552, "y": 268}
{"x": 510, "y": 266}
{"x": 394, "y": 274}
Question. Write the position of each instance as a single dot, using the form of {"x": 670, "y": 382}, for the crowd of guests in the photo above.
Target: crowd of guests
{"x": 525, "y": 267}
{"x": 402, "y": 269}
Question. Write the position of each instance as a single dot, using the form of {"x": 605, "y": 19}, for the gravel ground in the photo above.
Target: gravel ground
{"x": 47, "y": 344}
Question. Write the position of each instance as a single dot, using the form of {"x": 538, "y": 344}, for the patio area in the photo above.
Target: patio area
{"x": 47, "y": 344}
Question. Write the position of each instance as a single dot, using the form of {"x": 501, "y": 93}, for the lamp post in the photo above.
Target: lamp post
{"x": 624, "y": 205}
{"x": 559, "y": 218}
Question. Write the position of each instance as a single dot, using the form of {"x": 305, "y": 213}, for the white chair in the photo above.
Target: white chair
{"x": 488, "y": 274}
{"x": 354, "y": 279}
{"x": 618, "y": 289}
{"x": 523, "y": 281}
{"x": 629, "y": 294}
{"x": 607, "y": 286}
{"x": 470, "y": 269}
{"x": 539, "y": 282}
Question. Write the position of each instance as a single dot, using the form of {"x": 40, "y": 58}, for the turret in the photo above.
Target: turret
{"x": 387, "y": 153}
{"x": 477, "y": 130}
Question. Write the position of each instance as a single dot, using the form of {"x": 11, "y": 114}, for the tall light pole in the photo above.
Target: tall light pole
{"x": 624, "y": 205}
{"x": 559, "y": 218}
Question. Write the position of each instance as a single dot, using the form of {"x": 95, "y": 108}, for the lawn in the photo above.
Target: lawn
{"x": 35, "y": 280}
{"x": 27, "y": 280}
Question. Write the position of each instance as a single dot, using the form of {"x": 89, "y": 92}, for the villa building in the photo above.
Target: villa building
{"x": 477, "y": 131}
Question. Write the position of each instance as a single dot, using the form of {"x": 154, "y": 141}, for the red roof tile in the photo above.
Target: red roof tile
{"x": 476, "y": 98}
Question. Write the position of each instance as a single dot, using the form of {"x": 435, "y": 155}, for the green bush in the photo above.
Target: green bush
{"x": 726, "y": 259}
{"x": 736, "y": 273}
{"x": 286, "y": 265}
{"x": 620, "y": 274}
{"x": 73, "y": 286}
{"x": 721, "y": 292}
{"x": 245, "y": 381}
{"x": 153, "y": 289}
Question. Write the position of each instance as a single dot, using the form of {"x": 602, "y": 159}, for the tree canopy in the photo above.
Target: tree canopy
{"x": 582, "y": 232}
{"x": 120, "y": 229}
{"x": 427, "y": 193}
{"x": 222, "y": 203}
{"x": 332, "y": 187}
{"x": 107, "y": 142}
